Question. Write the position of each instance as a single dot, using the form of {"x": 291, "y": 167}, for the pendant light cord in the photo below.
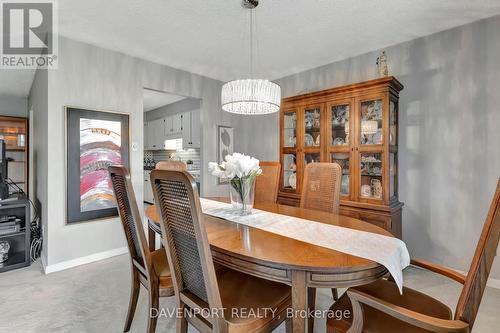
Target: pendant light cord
{"x": 251, "y": 43}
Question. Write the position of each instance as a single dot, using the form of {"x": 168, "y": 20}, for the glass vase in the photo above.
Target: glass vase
{"x": 242, "y": 194}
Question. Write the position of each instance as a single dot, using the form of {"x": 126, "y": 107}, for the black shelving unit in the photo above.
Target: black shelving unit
{"x": 19, "y": 253}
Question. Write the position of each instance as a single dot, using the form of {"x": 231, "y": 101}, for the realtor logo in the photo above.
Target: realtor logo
{"x": 28, "y": 34}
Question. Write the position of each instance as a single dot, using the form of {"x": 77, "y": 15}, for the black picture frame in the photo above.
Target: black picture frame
{"x": 74, "y": 213}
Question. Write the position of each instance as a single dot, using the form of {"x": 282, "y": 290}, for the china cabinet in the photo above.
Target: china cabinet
{"x": 355, "y": 126}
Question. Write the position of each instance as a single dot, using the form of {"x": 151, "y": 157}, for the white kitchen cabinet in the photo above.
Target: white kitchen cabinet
{"x": 177, "y": 123}
{"x": 186, "y": 129}
{"x": 182, "y": 125}
{"x": 167, "y": 122}
{"x": 173, "y": 126}
{"x": 191, "y": 129}
{"x": 156, "y": 134}
{"x": 195, "y": 129}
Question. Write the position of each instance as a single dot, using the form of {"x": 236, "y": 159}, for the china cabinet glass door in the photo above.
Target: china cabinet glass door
{"x": 371, "y": 170}
{"x": 290, "y": 129}
{"x": 312, "y": 117}
{"x": 370, "y": 148}
{"x": 312, "y": 127}
{"x": 339, "y": 141}
{"x": 371, "y": 122}
{"x": 290, "y": 172}
{"x": 290, "y": 144}
{"x": 393, "y": 147}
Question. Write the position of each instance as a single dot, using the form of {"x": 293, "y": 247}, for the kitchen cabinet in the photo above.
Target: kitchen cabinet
{"x": 182, "y": 125}
{"x": 155, "y": 134}
{"x": 173, "y": 126}
{"x": 186, "y": 130}
{"x": 177, "y": 123}
{"x": 191, "y": 129}
{"x": 195, "y": 129}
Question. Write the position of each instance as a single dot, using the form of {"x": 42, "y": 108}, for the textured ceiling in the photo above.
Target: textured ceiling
{"x": 211, "y": 37}
{"x": 154, "y": 99}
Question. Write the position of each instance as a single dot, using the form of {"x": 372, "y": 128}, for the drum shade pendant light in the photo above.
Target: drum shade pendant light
{"x": 251, "y": 96}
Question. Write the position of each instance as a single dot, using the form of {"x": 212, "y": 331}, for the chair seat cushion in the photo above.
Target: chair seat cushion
{"x": 376, "y": 321}
{"x": 250, "y": 297}
{"x": 160, "y": 265}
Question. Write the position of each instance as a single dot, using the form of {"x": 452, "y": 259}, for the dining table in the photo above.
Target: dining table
{"x": 278, "y": 258}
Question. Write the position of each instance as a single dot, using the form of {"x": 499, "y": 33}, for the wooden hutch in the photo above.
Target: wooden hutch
{"x": 355, "y": 126}
{"x": 14, "y": 131}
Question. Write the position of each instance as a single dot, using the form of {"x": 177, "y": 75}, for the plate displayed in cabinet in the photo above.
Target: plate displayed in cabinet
{"x": 338, "y": 142}
{"x": 377, "y": 137}
{"x": 308, "y": 140}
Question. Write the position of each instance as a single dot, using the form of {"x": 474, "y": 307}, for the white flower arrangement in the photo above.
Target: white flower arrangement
{"x": 241, "y": 170}
{"x": 236, "y": 166}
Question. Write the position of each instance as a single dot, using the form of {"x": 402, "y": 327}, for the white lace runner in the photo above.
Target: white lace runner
{"x": 387, "y": 251}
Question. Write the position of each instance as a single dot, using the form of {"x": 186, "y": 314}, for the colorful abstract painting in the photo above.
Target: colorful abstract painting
{"x": 95, "y": 140}
{"x": 100, "y": 144}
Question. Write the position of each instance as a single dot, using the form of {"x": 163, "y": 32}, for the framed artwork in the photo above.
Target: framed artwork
{"x": 225, "y": 146}
{"x": 94, "y": 140}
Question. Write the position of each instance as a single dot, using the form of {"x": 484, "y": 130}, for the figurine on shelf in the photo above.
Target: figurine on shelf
{"x": 4, "y": 252}
{"x": 376, "y": 187}
{"x": 382, "y": 65}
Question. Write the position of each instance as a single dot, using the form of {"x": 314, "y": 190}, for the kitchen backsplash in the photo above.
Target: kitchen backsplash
{"x": 183, "y": 155}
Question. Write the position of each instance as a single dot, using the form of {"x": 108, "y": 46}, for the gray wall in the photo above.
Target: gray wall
{"x": 185, "y": 105}
{"x": 13, "y": 106}
{"x": 450, "y": 135}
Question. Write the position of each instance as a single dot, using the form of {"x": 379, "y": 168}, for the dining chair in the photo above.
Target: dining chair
{"x": 149, "y": 268}
{"x": 267, "y": 184}
{"x": 321, "y": 187}
{"x": 378, "y": 307}
{"x": 171, "y": 165}
{"x": 199, "y": 287}
{"x": 321, "y": 191}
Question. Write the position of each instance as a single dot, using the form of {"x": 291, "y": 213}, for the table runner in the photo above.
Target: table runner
{"x": 388, "y": 251}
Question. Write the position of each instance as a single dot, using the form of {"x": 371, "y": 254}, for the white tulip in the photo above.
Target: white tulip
{"x": 236, "y": 165}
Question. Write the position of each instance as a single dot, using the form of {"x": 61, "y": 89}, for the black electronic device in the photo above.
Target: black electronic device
{"x": 4, "y": 186}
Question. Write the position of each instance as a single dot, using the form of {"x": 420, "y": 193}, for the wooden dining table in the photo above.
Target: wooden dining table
{"x": 278, "y": 258}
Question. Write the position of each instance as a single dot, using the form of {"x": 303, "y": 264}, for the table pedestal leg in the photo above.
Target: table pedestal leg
{"x": 299, "y": 301}
{"x": 151, "y": 239}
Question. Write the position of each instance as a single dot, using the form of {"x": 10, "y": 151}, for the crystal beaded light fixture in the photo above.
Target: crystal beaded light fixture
{"x": 251, "y": 96}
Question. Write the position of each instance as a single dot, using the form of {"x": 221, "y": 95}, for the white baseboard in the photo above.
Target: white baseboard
{"x": 493, "y": 283}
{"x": 84, "y": 260}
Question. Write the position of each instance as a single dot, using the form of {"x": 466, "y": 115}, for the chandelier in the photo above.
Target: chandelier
{"x": 251, "y": 96}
